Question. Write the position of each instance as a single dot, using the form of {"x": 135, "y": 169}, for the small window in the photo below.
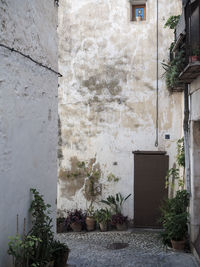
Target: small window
{"x": 138, "y": 12}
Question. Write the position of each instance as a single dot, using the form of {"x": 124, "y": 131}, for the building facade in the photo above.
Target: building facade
{"x": 109, "y": 52}
{"x": 188, "y": 41}
{"x": 28, "y": 111}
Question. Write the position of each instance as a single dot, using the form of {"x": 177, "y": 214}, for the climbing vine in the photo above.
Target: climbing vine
{"x": 174, "y": 173}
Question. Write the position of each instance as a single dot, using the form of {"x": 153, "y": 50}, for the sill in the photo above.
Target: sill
{"x": 138, "y": 22}
{"x": 177, "y": 89}
{"x": 190, "y": 73}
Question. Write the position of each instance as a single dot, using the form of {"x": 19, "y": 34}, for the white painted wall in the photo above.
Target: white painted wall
{"x": 28, "y": 111}
{"x": 107, "y": 95}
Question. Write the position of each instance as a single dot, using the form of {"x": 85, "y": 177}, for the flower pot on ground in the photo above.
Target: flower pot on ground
{"x": 90, "y": 220}
{"x": 178, "y": 245}
{"x": 121, "y": 227}
{"x": 103, "y": 216}
{"x": 60, "y": 254}
{"x": 60, "y": 225}
{"x": 120, "y": 221}
{"x": 76, "y": 220}
{"x": 76, "y": 227}
{"x": 103, "y": 227}
{"x": 90, "y": 223}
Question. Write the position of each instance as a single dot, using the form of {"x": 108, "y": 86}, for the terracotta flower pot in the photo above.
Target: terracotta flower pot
{"x": 138, "y": 18}
{"x": 76, "y": 227}
{"x": 62, "y": 260}
{"x": 194, "y": 58}
{"x": 121, "y": 227}
{"x": 103, "y": 227}
{"x": 90, "y": 222}
{"x": 178, "y": 245}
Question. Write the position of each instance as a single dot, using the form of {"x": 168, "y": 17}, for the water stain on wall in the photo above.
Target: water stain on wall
{"x": 80, "y": 175}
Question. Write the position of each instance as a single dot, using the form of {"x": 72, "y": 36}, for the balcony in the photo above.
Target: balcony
{"x": 190, "y": 73}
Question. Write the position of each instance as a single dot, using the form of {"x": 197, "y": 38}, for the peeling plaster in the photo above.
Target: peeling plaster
{"x": 108, "y": 91}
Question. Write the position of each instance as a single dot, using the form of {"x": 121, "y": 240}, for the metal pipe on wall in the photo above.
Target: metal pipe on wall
{"x": 157, "y": 81}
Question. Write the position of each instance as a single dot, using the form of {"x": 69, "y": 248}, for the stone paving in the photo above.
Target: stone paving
{"x": 144, "y": 249}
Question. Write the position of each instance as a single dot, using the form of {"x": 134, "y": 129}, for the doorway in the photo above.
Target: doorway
{"x": 150, "y": 169}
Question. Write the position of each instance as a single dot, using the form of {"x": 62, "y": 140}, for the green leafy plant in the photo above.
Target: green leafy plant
{"x": 102, "y": 216}
{"x": 59, "y": 249}
{"x": 196, "y": 51}
{"x": 116, "y": 202}
{"x": 174, "y": 173}
{"x": 181, "y": 152}
{"x": 38, "y": 247}
{"x": 22, "y": 250}
{"x": 172, "y": 22}
{"x": 90, "y": 210}
{"x": 173, "y": 70}
{"x": 119, "y": 219}
{"x": 174, "y": 217}
{"x": 42, "y": 227}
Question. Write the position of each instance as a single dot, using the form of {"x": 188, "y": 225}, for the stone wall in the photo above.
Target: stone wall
{"x": 195, "y": 158}
{"x": 107, "y": 95}
{"x": 28, "y": 111}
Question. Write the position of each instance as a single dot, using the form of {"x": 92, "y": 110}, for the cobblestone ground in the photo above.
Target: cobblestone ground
{"x": 145, "y": 249}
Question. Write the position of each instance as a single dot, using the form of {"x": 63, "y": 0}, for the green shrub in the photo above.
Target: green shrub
{"x": 175, "y": 217}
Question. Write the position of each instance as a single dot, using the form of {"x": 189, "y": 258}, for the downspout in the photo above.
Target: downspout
{"x": 157, "y": 85}
{"x": 186, "y": 138}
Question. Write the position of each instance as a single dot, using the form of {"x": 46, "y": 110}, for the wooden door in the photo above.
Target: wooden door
{"x": 150, "y": 169}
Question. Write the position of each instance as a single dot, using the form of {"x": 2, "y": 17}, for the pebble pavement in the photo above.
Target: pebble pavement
{"x": 145, "y": 249}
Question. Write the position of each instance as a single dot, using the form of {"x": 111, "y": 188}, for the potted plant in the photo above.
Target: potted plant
{"x": 76, "y": 220}
{"x": 60, "y": 224}
{"x": 103, "y": 216}
{"x": 37, "y": 248}
{"x": 42, "y": 229}
{"x": 174, "y": 219}
{"x": 116, "y": 202}
{"x": 23, "y": 250}
{"x": 195, "y": 55}
{"x": 90, "y": 220}
{"x": 173, "y": 70}
{"x": 60, "y": 254}
{"x": 120, "y": 221}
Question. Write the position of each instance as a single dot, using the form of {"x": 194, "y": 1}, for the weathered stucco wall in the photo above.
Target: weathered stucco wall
{"x": 28, "y": 111}
{"x": 195, "y": 158}
{"x": 107, "y": 95}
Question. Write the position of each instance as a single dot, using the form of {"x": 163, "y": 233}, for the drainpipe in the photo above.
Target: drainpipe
{"x": 186, "y": 138}
{"x": 157, "y": 85}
